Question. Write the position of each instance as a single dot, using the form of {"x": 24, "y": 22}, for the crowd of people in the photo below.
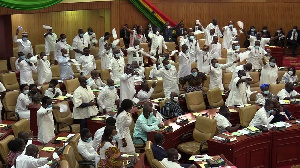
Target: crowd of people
{"x": 110, "y": 141}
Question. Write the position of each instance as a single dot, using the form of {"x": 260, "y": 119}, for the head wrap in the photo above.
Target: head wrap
{"x": 263, "y": 86}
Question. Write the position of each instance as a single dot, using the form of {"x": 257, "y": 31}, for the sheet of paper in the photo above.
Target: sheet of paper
{"x": 3, "y": 125}
{"x": 98, "y": 119}
{"x": 62, "y": 138}
{"x": 96, "y": 90}
{"x": 196, "y": 114}
{"x": 70, "y": 135}
{"x": 63, "y": 107}
{"x": 135, "y": 100}
{"x": 253, "y": 129}
{"x": 49, "y": 149}
{"x": 232, "y": 110}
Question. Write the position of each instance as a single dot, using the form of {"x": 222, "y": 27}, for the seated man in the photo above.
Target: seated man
{"x": 264, "y": 115}
{"x": 288, "y": 93}
{"x": 110, "y": 121}
{"x": 52, "y": 90}
{"x": 108, "y": 98}
{"x": 172, "y": 108}
{"x": 172, "y": 160}
{"x": 30, "y": 158}
{"x": 140, "y": 70}
{"x": 145, "y": 93}
{"x": 146, "y": 122}
{"x": 95, "y": 81}
{"x": 282, "y": 114}
{"x": 223, "y": 124}
{"x": 159, "y": 152}
{"x": 85, "y": 145}
{"x": 25, "y": 136}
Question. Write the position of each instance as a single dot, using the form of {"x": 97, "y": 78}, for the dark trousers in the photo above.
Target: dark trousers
{"x": 293, "y": 44}
{"x": 83, "y": 124}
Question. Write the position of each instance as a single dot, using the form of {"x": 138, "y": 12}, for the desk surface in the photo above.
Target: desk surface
{"x": 228, "y": 163}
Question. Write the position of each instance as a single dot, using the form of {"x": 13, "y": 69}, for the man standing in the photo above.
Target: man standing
{"x": 102, "y": 42}
{"x": 157, "y": 42}
{"x": 44, "y": 69}
{"x": 145, "y": 93}
{"x": 127, "y": 88}
{"x": 95, "y": 81}
{"x": 24, "y": 45}
{"x": 230, "y": 34}
{"x": 87, "y": 61}
{"x": 116, "y": 66}
{"x": 184, "y": 58}
{"x": 89, "y": 38}
{"x": 61, "y": 44}
{"x": 293, "y": 39}
{"x": 255, "y": 56}
{"x": 125, "y": 34}
{"x": 78, "y": 44}
{"x": 84, "y": 102}
{"x": 26, "y": 68}
{"x": 108, "y": 97}
{"x": 50, "y": 39}
{"x": 168, "y": 32}
{"x": 214, "y": 25}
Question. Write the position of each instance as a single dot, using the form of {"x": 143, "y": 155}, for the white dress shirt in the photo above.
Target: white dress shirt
{"x": 86, "y": 150}
{"x": 107, "y": 98}
{"x": 127, "y": 88}
{"x": 283, "y": 94}
{"x": 222, "y": 122}
{"x": 23, "y": 46}
{"x": 78, "y": 44}
{"x": 96, "y": 83}
{"x": 49, "y": 92}
{"x": 170, "y": 164}
{"x": 59, "y": 46}
{"x": 261, "y": 117}
{"x": 50, "y": 41}
{"x": 21, "y": 107}
{"x": 88, "y": 64}
{"x": 45, "y": 124}
{"x": 26, "y": 72}
{"x": 24, "y": 161}
{"x": 98, "y": 137}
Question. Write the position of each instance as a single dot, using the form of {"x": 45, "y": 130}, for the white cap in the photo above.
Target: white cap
{"x": 47, "y": 27}
{"x": 198, "y": 22}
{"x": 235, "y": 42}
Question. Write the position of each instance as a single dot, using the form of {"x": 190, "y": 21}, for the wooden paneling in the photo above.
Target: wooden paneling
{"x": 67, "y": 22}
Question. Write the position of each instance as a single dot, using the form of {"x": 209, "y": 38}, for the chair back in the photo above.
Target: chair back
{"x": 226, "y": 79}
{"x": 199, "y": 36}
{"x": 157, "y": 164}
{"x": 35, "y": 77}
{"x": 44, "y": 87}
{"x": 51, "y": 57}
{"x": 147, "y": 72}
{"x": 201, "y": 43}
{"x": 121, "y": 43}
{"x": 3, "y": 66}
{"x": 105, "y": 75}
{"x": 94, "y": 51}
{"x": 247, "y": 114}
{"x": 22, "y": 125}
{"x": 68, "y": 155}
{"x": 253, "y": 98}
{"x": 55, "y": 72}
{"x": 64, "y": 164}
{"x": 275, "y": 88}
{"x": 75, "y": 71}
{"x": 9, "y": 80}
{"x": 39, "y": 48}
{"x": 206, "y": 83}
{"x": 12, "y": 61}
{"x": 9, "y": 104}
{"x": 149, "y": 152}
{"x": 215, "y": 98}
{"x": 243, "y": 49}
{"x": 255, "y": 80}
{"x": 65, "y": 117}
{"x": 145, "y": 46}
{"x": 281, "y": 73}
{"x": 224, "y": 53}
{"x": 3, "y": 147}
{"x": 72, "y": 85}
{"x": 98, "y": 65}
{"x": 194, "y": 65}
{"x": 195, "y": 101}
{"x": 15, "y": 51}
{"x": 298, "y": 73}
{"x": 205, "y": 128}
{"x": 158, "y": 90}
{"x": 72, "y": 54}
{"x": 222, "y": 60}
{"x": 171, "y": 46}
{"x": 74, "y": 143}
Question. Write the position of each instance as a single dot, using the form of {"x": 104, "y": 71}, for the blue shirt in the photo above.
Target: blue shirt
{"x": 144, "y": 125}
{"x": 159, "y": 152}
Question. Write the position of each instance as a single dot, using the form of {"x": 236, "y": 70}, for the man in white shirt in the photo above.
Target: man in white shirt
{"x": 288, "y": 93}
{"x": 157, "y": 42}
{"x": 203, "y": 60}
{"x": 50, "y": 40}
{"x": 127, "y": 88}
{"x": 110, "y": 121}
{"x": 170, "y": 77}
{"x": 52, "y": 90}
{"x": 78, "y": 44}
{"x": 24, "y": 45}
{"x": 246, "y": 67}
{"x": 85, "y": 145}
{"x": 214, "y": 25}
{"x": 87, "y": 61}
{"x": 95, "y": 81}
{"x": 2, "y": 95}
{"x": 264, "y": 115}
{"x": 116, "y": 66}
{"x": 106, "y": 55}
{"x": 223, "y": 124}
{"x": 30, "y": 158}
{"x": 215, "y": 48}
{"x": 102, "y": 43}
{"x": 255, "y": 56}
{"x": 108, "y": 97}
{"x": 139, "y": 68}
{"x": 145, "y": 93}
{"x": 172, "y": 160}
{"x": 44, "y": 69}
{"x": 230, "y": 34}
{"x": 135, "y": 53}
{"x": 26, "y": 69}
{"x": 263, "y": 41}
{"x": 84, "y": 103}
{"x": 89, "y": 38}
{"x": 232, "y": 55}
{"x": 60, "y": 45}
{"x": 184, "y": 59}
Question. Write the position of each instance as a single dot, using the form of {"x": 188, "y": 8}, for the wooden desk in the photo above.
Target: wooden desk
{"x": 50, "y": 144}
{"x": 269, "y": 149}
{"x": 228, "y": 163}
{"x": 294, "y": 109}
{"x": 33, "y": 118}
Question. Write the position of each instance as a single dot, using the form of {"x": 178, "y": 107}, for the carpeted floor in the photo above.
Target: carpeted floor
{"x": 291, "y": 61}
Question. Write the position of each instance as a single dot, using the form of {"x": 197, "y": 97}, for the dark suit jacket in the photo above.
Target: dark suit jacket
{"x": 122, "y": 35}
{"x": 179, "y": 32}
{"x": 289, "y": 35}
{"x": 159, "y": 153}
{"x": 167, "y": 33}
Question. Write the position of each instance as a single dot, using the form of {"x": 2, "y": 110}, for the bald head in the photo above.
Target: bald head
{"x": 147, "y": 109}
{"x": 32, "y": 150}
{"x": 82, "y": 81}
{"x": 94, "y": 74}
{"x": 172, "y": 155}
{"x": 23, "y": 135}
{"x": 110, "y": 82}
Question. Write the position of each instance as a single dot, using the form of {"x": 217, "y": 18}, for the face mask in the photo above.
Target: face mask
{"x": 237, "y": 47}
{"x": 264, "y": 30}
{"x": 136, "y": 69}
{"x": 113, "y": 45}
{"x": 230, "y": 26}
{"x": 270, "y": 111}
{"x": 27, "y": 60}
{"x": 187, "y": 51}
{"x": 87, "y": 82}
{"x": 272, "y": 64}
{"x": 45, "y": 58}
{"x": 256, "y": 47}
{"x": 111, "y": 87}
{"x": 137, "y": 47}
{"x": 157, "y": 33}
{"x": 266, "y": 92}
{"x": 294, "y": 30}
{"x": 252, "y": 30}
{"x": 175, "y": 99}
{"x": 169, "y": 27}
{"x": 24, "y": 39}
{"x": 22, "y": 57}
{"x": 89, "y": 140}
{"x": 118, "y": 55}
{"x": 26, "y": 91}
{"x": 81, "y": 35}
{"x": 90, "y": 33}
{"x": 168, "y": 66}
{"x": 64, "y": 40}
{"x": 216, "y": 65}
{"x": 195, "y": 74}
{"x": 192, "y": 37}
{"x": 115, "y": 138}
{"x": 49, "y": 106}
{"x": 149, "y": 25}
{"x": 290, "y": 72}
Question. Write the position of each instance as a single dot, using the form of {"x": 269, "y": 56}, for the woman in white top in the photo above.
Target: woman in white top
{"x": 23, "y": 102}
{"x": 124, "y": 120}
{"x": 264, "y": 95}
{"x": 110, "y": 155}
{"x": 45, "y": 121}
{"x": 52, "y": 90}
{"x": 290, "y": 76}
{"x": 269, "y": 72}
